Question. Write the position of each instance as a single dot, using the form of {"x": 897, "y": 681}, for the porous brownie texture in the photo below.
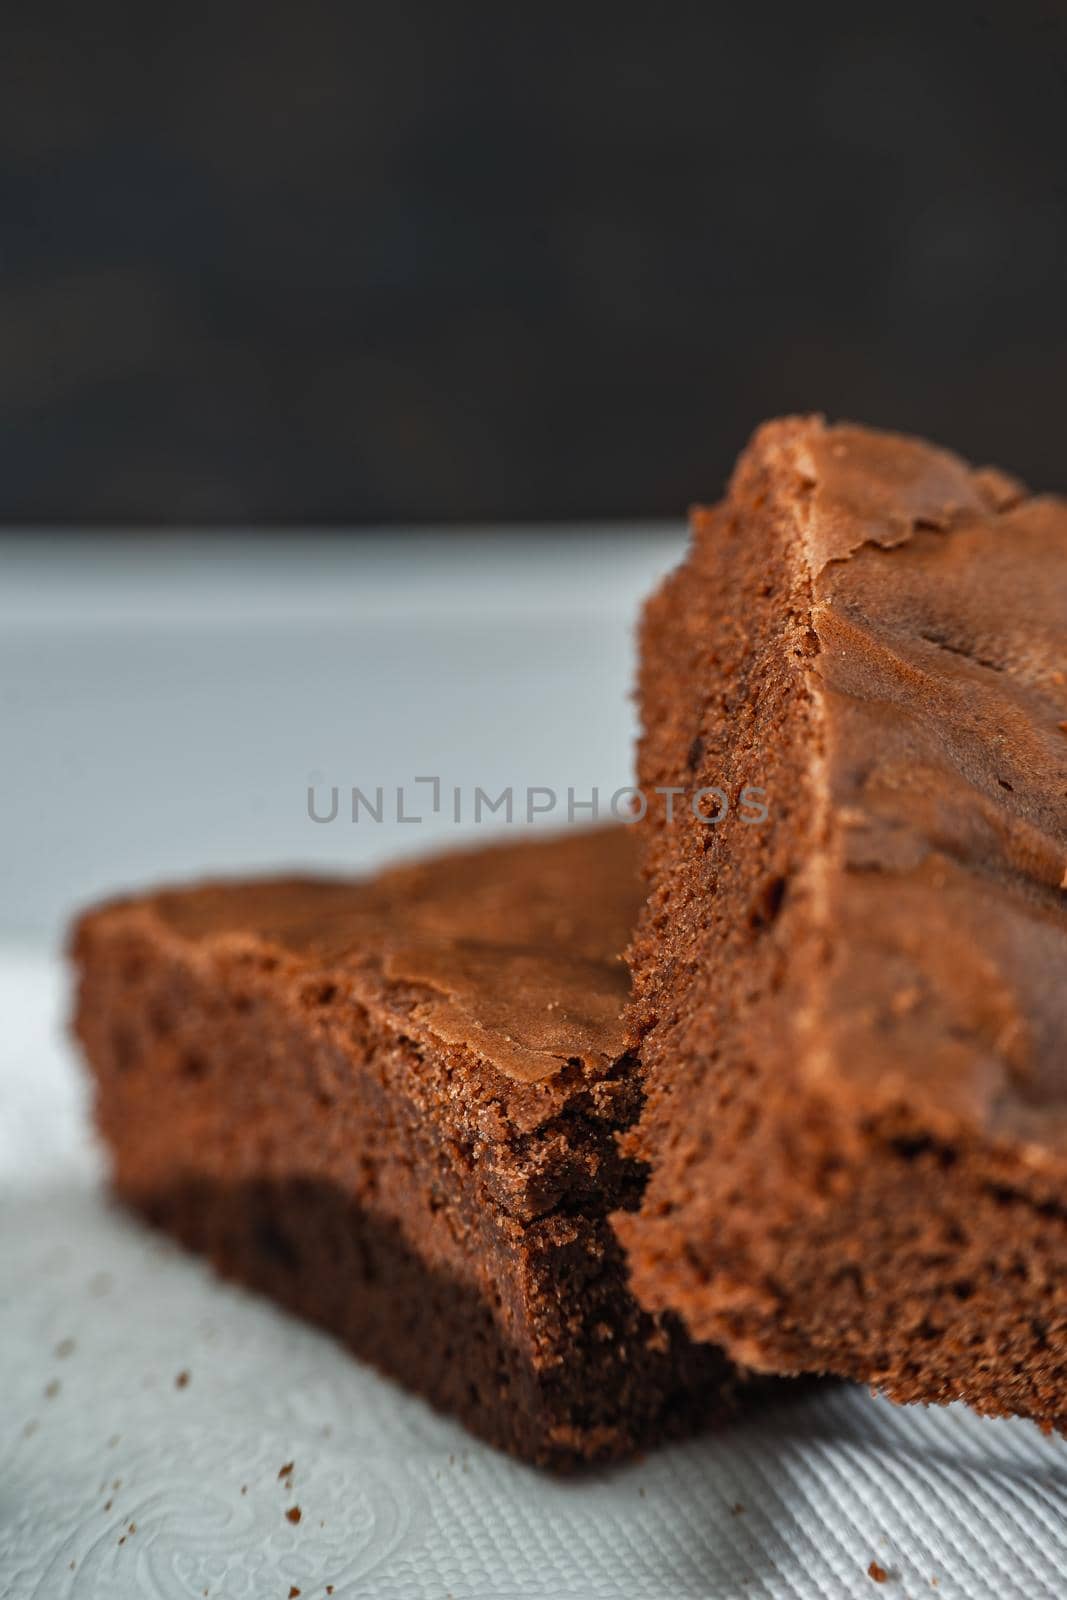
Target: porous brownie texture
{"x": 393, "y": 1106}
{"x": 853, "y": 1015}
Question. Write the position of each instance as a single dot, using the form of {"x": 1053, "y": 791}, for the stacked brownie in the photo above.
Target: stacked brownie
{"x": 393, "y": 1105}
{"x": 853, "y": 1018}
{"x": 827, "y": 1130}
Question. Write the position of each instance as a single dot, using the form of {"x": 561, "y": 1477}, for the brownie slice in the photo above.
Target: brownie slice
{"x": 853, "y": 1016}
{"x": 392, "y": 1105}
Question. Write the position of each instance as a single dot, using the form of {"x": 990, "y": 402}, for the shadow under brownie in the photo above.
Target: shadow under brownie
{"x": 392, "y": 1105}
{"x": 853, "y": 1016}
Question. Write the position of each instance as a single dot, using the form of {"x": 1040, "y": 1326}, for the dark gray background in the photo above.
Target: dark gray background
{"x": 425, "y": 262}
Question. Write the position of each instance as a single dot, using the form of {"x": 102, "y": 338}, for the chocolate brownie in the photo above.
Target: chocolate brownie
{"x": 392, "y": 1105}
{"x": 853, "y": 1015}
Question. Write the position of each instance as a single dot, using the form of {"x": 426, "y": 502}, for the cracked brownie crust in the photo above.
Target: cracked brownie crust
{"x": 392, "y": 1105}
{"x": 853, "y": 1018}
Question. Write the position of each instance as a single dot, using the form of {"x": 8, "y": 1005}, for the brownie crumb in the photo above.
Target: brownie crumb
{"x": 286, "y": 1471}
{"x": 51, "y": 1389}
{"x": 293, "y": 1592}
{"x": 182, "y": 1380}
{"x": 737, "y": 1509}
{"x": 877, "y": 1573}
{"x": 64, "y": 1348}
{"x": 293, "y": 1514}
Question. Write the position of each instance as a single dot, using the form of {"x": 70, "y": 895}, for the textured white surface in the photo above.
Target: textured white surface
{"x": 118, "y": 1484}
{"x": 162, "y": 707}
